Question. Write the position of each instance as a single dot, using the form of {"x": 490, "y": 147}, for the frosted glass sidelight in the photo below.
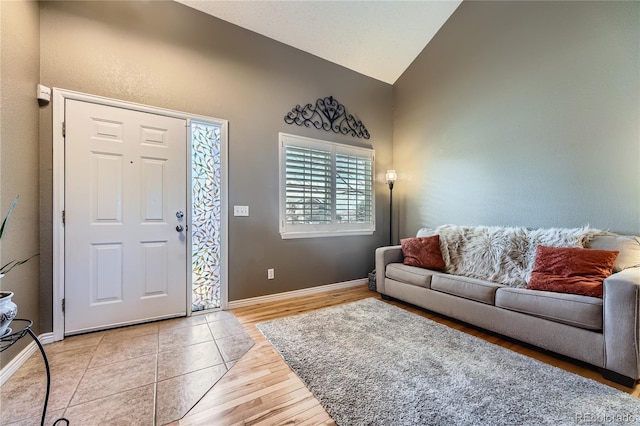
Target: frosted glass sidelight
{"x": 206, "y": 215}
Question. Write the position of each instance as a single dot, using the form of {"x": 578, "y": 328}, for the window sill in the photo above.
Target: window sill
{"x": 311, "y": 234}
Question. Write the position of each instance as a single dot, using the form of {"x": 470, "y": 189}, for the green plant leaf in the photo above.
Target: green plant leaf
{"x": 6, "y": 218}
{"x": 12, "y": 264}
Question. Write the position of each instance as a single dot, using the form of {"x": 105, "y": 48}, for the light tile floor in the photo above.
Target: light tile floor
{"x": 149, "y": 374}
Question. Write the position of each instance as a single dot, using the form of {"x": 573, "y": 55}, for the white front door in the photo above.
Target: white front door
{"x": 125, "y": 186}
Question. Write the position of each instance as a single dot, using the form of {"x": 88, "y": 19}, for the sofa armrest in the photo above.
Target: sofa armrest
{"x": 621, "y": 322}
{"x": 385, "y": 256}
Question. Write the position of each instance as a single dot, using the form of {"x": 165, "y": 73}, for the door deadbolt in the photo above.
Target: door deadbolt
{"x": 179, "y": 214}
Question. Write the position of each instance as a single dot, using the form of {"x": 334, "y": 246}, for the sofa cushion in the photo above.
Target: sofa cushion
{"x": 627, "y": 245}
{"x": 571, "y": 270}
{"x": 572, "y": 309}
{"x": 423, "y": 252}
{"x": 409, "y": 274}
{"x": 469, "y": 288}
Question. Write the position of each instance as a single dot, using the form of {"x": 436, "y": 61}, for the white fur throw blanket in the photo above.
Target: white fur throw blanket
{"x": 502, "y": 255}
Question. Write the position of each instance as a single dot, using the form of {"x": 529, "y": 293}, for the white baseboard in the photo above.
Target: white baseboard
{"x": 296, "y": 293}
{"x": 23, "y": 356}
{"x": 46, "y": 338}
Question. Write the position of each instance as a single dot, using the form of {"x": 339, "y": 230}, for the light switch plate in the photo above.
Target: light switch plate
{"x": 241, "y": 210}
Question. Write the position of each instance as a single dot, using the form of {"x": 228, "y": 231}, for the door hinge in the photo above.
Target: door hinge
{"x": 63, "y": 304}
{"x": 64, "y": 216}
{"x": 64, "y": 129}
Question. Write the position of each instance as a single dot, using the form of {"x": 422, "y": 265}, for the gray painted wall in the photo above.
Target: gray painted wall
{"x": 167, "y": 55}
{"x": 19, "y": 71}
{"x": 516, "y": 113}
{"x": 523, "y": 114}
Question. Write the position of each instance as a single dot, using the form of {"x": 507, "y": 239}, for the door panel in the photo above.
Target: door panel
{"x": 125, "y": 179}
{"x": 106, "y": 273}
{"x": 106, "y": 183}
{"x": 153, "y": 190}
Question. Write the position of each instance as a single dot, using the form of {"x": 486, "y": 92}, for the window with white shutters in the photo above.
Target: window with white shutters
{"x": 326, "y": 188}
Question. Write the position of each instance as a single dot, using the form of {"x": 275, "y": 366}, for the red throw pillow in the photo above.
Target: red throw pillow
{"x": 423, "y": 252}
{"x": 571, "y": 270}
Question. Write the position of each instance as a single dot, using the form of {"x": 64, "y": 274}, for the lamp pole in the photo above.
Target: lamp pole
{"x": 391, "y": 178}
{"x": 390, "y": 212}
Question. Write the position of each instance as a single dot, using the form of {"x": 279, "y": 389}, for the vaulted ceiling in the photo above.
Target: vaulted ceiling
{"x": 379, "y": 39}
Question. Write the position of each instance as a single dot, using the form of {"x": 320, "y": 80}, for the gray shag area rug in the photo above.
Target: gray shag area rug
{"x": 371, "y": 363}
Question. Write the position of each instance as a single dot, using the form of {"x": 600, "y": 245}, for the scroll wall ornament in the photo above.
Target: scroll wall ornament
{"x": 327, "y": 114}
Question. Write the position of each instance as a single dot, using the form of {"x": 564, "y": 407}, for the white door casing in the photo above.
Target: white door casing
{"x": 59, "y": 98}
{"x": 125, "y": 180}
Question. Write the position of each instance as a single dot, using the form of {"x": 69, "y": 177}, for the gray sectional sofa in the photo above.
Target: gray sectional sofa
{"x": 604, "y": 332}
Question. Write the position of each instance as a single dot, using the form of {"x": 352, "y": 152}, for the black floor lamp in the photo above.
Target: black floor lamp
{"x": 392, "y": 176}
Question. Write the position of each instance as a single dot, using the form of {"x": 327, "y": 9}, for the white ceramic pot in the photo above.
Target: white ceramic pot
{"x": 8, "y": 311}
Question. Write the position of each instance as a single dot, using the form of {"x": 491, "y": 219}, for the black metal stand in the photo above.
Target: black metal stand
{"x": 12, "y": 337}
{"x": 390, "y": 213}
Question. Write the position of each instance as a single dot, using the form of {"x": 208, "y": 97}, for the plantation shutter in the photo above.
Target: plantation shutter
{"x": 326, "y": 188}
{"x": 307, "y": 185}
{"x": 354, "y": 189}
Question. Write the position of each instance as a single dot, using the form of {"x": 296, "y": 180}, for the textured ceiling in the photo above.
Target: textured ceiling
{"x": 379, "y": 39}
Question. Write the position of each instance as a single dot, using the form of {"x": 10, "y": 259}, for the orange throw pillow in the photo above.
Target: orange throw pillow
{"x": 423, "y": 252}
{"x": 571, "y": 270}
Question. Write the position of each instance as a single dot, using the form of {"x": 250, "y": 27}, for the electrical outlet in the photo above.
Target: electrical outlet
{"x": 241, "y": 210}
{"x": 271, "y": 274}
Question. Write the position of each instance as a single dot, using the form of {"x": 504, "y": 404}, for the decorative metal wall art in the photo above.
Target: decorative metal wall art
{"x": 327, "y": 114}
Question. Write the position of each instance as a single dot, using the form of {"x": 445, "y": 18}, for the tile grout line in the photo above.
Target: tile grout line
{"x": 75, "y": 390}
{"x": 224, "y": 363}
{"x": 226, "y": 367}
{"x": 94, "y": 353}
{"x": 102, "y": 340}
{"x": 215, "y": 342}
{"x": 155, "y": 383}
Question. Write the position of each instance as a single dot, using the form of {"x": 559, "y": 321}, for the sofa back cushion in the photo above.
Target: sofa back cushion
{"x": 627, "y": 245}
{"x": 571, "y": 270}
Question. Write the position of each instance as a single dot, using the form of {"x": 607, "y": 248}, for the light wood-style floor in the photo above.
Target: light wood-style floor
{"x": 262, "y": 390}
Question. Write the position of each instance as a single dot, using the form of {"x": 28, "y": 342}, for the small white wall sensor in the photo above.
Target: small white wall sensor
{"x": 44, "y": 93}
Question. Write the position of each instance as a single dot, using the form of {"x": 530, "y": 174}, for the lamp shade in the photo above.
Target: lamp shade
{"x": 392, "y": 176}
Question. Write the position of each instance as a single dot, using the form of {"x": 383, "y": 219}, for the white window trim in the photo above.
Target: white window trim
{"x": 335, "y": 229}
